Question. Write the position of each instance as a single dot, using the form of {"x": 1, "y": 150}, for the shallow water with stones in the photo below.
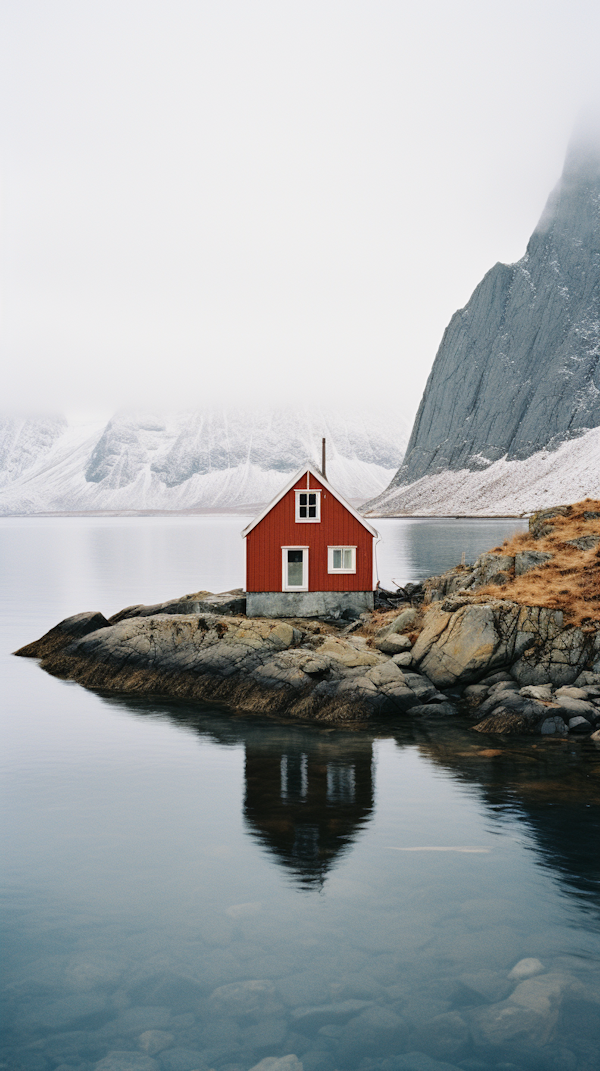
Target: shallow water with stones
{"x": 186, "y": 889}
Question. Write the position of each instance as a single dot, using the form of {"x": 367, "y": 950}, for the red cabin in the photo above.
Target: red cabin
{"x": 309, "y": 554}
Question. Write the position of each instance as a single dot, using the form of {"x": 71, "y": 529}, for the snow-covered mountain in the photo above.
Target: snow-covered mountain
{"x": 209, "y": 459}
{"x": 518, "y": 373}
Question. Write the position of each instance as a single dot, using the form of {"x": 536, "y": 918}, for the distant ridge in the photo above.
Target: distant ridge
{"x": 518, "y": 370}
{"x": 208, "y": 459}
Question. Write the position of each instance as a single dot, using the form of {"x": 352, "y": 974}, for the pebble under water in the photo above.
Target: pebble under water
{"x": 187, "y": 889}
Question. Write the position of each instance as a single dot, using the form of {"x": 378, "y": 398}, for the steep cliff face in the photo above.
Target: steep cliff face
{"x": 518, "y": 369}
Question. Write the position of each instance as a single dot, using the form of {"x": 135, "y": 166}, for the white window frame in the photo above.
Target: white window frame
{"x": 308, "y": 491}
{"x": 284, "y": 574}
{"x": 330, "y": 567}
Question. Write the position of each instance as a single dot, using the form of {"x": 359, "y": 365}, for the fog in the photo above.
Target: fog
{"x": 262, "y": 200}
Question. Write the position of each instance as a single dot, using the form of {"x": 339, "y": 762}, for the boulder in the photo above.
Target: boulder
{"x": 512, "y": 714}
{"x": 530, "y": 559}
{"x": 71, "y": 628}
{"x": 493, "y": 568}
{"x": 153, "y": 1041}
{"x": 433, "y": 710}
{"x": 279, "y": 1063}
{"x": 526, "y": 968}
{"x": 572, "y": 708}
{"x": 568, "y": 691}
{"x": 527, "y": 1017}
{"x": 386, "y": 673}
{"x": 403, "y": 659}
{"x": 242, "y": 1000}
{"x": 537, "y": 691}
{"x": 393, "y": 644}
{"x": 457, "y": 647}
{"x": 554, "y": 726}
{"x": 579, "y": 725}
{"x": 404, "y": 620}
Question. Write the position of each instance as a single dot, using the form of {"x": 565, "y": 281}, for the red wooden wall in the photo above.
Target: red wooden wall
{"x": 279, "y": 528}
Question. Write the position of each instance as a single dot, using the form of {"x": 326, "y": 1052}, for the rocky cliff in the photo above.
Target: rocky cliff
{"x": 518, "y": 370}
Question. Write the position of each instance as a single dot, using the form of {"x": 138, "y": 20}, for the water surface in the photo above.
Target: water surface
{"x": 248, "y": 888}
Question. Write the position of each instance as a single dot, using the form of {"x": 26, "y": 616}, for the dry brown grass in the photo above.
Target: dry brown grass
{"x": 571, "y": 580}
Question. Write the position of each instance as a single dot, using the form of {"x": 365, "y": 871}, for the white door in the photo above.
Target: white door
{"x": 295, "y": 568}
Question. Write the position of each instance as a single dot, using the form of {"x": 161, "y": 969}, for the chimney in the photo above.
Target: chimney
{"x": 323, "y": 458}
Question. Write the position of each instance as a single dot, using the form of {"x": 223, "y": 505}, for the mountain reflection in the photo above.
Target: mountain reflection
{"x": 307, "y": 796}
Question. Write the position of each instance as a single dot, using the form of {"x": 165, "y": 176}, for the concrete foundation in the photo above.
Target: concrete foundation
{"x": 308, "y": 603}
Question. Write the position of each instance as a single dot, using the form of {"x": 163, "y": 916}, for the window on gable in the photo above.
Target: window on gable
{"x": 341, "y": 559}
{"x": 308, "y": 506}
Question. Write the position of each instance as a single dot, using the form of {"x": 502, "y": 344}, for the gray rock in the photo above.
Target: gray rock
{"x": 153, "y": 1041}
{"x": 433, "y": 710}
{"x": 203, "y": 602}
{"x": 279, "y": 1063}
{"x": 493, "y": 568}
{"x": 385, "y": 674}
{"x": 127, "y": 1061}
{"x": 574, "y": 707}
{"x": 404, "y": 620}
{"x": 504, "y": 383}
{"x": 526, "y": 968}
{"x": 504, "y": 686}
{"x": 554, "y": 726}
{"x": 243, "y": 999}
{"x": 537, "y": 691}
{"x": 586, "y": 679}
{"x": 340, "y": 1012}
{"x": 579, "y": 725}
{"x": 528, "y": 1016}
{"x": 393, "y": 644}
{"x": 404, "y": 659}
{"x": 568, "y": 691}
{"x": 445, "y": 1035}
{"x": 377, "y": 1030}
{"x": 587, "y": 542}
{"x": 496, "y": 678}
{"x": 475, "y": 692}
{"x": 530, "y": 559}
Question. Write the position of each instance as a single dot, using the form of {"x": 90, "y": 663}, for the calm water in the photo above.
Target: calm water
{"x": 244, "y": 888}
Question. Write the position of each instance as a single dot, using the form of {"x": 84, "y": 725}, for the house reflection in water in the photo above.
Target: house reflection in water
{"x": 307, "y": 797}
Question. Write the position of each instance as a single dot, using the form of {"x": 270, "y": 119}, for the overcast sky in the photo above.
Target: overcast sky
{"x": 279, "y": 199}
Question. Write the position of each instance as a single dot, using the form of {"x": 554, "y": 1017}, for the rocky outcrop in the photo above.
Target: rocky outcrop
{"x": 502, "y": 707}
{"x": 203, "y": 602}
{"x": 518, "y": 369}
{"x": 263, "y": 666}
{"x": 463, "y": 639}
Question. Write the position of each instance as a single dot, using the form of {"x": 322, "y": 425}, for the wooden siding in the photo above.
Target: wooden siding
{"x": 279, "y": 528}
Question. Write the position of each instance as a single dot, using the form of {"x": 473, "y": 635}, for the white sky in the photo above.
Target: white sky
{"x": 273, "y": 199}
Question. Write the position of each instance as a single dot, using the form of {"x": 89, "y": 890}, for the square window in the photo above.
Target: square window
{"x": 308, "y": 506}
{"x": 341, "y": 559}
